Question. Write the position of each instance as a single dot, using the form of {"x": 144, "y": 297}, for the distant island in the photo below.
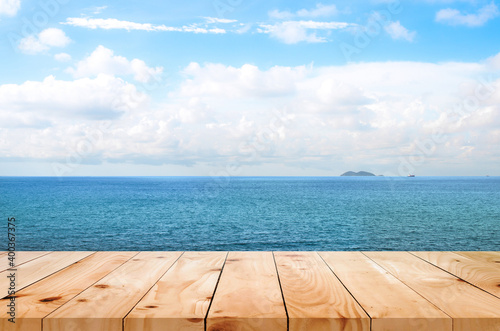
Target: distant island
{"x": 360, "y": 173}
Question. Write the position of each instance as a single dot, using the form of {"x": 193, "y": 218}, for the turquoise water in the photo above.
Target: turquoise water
{"x": 253, "y": 213}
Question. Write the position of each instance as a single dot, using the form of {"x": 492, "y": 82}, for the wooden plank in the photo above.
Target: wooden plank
{"x": 41, "y": 267}
{"x": 315, "y": 299}
{"x": 40, "y": 299}
{"x": 390, "y": 303}
{"x": 20, "y": 258}
{"x": 248, "y": 296}
{"x": 180, "y": 299}
{"x": 103, "y": 306}
{"x": 470, "y": 307}
{"x": 488, "y": 257}
{"x": 481, "y": 274}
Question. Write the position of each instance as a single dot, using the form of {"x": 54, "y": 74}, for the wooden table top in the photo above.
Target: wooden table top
{"x": 103, "y": 291}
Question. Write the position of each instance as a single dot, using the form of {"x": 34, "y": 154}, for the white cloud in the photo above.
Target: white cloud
{"x": 494, "y": 62}
{"x": 216, "y": 80}
{"x": 397, "y": 31}
{"x": 103, "y": 61}
{"x": 245, "y": 81}
{"x": 32, "y": 45}
{"x": 196, "y": 29}
{"x": 9, "y": 7}
{"x": 243, "y": 28}
{"x": 292, "y": 32}
{"x": 219, "y": 20}
{"x": 330, "y": 116}
{"x": 62, "y": 57}
{"x": 320, "y": 11}
{"x": 53, "y": 37}
{"x": 98, "y": 10}
{"x": 375, "y": 110}
{"x": 324, "y": 25}
{"x": 49, "y": 119}
{"x": 46, "y": 39}
{"x": 455, "y": 17}
{"x": 114, "y": 24}
{"x": 62, "y": 101}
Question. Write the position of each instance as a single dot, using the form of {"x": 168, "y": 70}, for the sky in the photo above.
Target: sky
{"x": 249, "y": 88}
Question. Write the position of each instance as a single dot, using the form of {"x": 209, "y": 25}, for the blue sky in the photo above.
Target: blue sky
{"x": 239, "y": 87}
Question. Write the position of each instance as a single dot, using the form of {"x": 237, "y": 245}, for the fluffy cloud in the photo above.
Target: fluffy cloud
{"x": 397, "y": 31}
{"x": 62, "y": 57}
{"x": 319, "y": 117}
{"x": 32, "y": 45}
{"x": 103, "y": 61}
{"x": 248, "y": 80}
{"x": 494, "y": 62}
{"x": 320, "y": 11}
{"x": 104, "y": 97}
{"x": 53, "y": 37}
{"x": 9, "y": 7}
{"x": 46, "y": 39}
{"x": 292, "y": 32}
{"x": 455, "y": 17}
{"x": 378, "y": 112}
{"x": 295, "y": 31}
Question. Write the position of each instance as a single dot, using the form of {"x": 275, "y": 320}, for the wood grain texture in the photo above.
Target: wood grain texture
{"x": 40, "y": 299}
{"x": 180, "y": 299}
{"x": 389, "y": 302}
{"x": 87, "y": 291}
{"x": 248, "y": 296}
{"x": 20, "y": 258}
{"x": 41, "y": 267}
{"x": 488, "y": 257}
{"x": 315, "y": 299}
{"x": 103, "y": 306}
{"x": 470, "y": 307}
{"x": 481, "y": 274}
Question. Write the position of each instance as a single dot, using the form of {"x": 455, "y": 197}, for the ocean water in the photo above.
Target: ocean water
{"x": 252, "y": 213}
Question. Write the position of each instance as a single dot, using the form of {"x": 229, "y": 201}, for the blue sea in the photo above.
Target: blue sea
{"x": 252, "y": 213}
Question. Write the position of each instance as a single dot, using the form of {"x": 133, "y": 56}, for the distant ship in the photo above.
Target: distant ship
{"x": 410, "y": 175}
